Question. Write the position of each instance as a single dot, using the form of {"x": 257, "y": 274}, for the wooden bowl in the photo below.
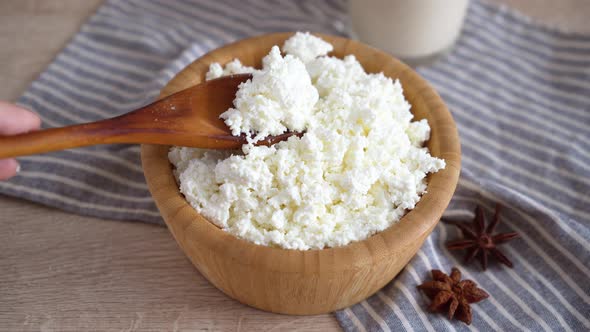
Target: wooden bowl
{"x": 313, "y": 281}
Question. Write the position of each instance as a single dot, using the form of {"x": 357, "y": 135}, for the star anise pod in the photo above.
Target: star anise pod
{"x": 451, "y": 294}
{"x": 479, "y": 240}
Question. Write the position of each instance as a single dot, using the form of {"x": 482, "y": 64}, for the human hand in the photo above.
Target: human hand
{"x": 14, "y": 120}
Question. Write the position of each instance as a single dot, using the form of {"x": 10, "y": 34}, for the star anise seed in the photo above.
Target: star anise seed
{"x": 479, "y": 240}
{"x": 452, "y": 294}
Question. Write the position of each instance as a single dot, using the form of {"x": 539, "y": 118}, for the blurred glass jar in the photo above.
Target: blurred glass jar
{"x": 415, "y": 31}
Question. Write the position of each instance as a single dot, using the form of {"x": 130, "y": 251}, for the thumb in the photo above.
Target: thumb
{"x": 15, "y": 120}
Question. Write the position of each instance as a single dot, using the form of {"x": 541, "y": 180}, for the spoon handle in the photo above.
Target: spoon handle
{"x": 132, "y": 128}
{"x": 186, "y": 118}
{"x": 100, "y": 132}
{"x": 150, "y": 124}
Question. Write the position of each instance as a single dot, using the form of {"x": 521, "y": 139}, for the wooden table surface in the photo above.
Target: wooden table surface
{"x": 64, "y": 272}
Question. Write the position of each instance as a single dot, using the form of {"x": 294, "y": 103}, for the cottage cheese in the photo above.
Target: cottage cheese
{"x": 231, "y": 68}
{"x": 357, "y": 169}
{"x": 277, "y": 98}
{"x": 306, "y": 47}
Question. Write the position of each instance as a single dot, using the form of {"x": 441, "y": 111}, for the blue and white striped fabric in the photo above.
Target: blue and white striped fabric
{"x": 520, "y": 94}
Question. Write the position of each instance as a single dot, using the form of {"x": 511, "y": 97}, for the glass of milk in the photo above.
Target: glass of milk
{"x": 415, "y": 31}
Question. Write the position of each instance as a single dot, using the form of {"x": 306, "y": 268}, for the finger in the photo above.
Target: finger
{"x": 8, "y": 168}
{"x": 15, "y": 120}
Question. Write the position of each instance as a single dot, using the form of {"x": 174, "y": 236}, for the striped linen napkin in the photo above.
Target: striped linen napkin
{"x": 520, "y": 94}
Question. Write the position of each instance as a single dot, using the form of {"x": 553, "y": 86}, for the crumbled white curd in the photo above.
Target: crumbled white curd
{"x": 277, "y": 98}
{"x": 357, "y": 169}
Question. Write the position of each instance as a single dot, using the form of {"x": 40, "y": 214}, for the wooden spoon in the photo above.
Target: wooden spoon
{"x": 187, "y": 118}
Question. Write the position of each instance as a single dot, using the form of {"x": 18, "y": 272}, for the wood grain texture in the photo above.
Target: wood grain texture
{"x": 32, "y": 33}
{"x": 187, "y": 118}
{"x": 313, "y": 281}
{"x": 62, "y": 272}
{"x": 49, "y": 290}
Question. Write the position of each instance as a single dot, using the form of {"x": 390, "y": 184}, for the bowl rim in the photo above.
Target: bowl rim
{"x": 417, "y": 223}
